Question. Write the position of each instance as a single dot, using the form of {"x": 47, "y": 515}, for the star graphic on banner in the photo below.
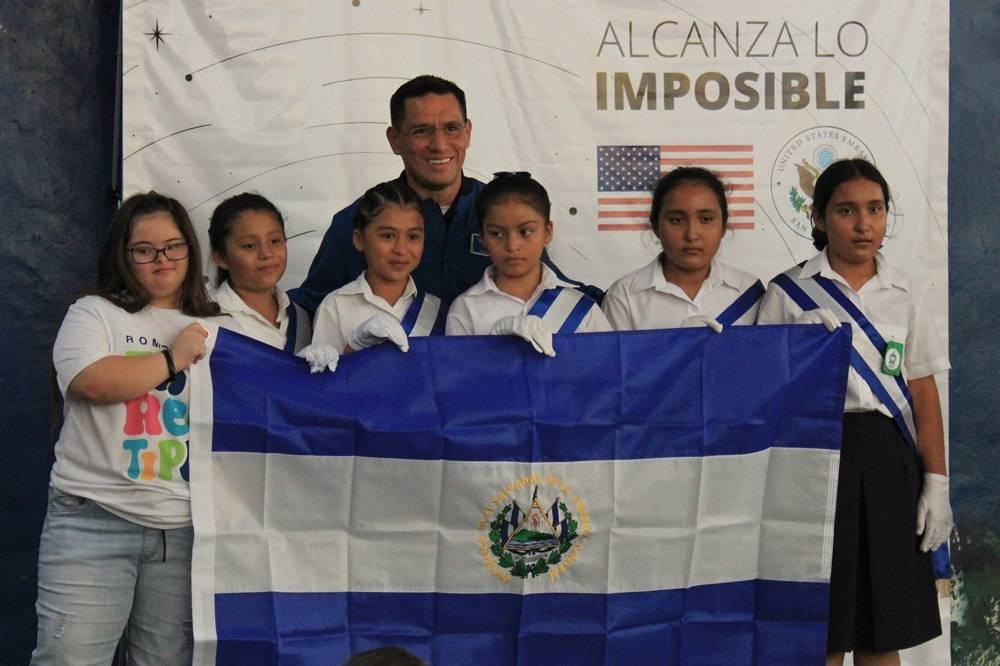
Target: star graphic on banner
{"x": 157, "y": 35}
{"x": 421, "y": 9}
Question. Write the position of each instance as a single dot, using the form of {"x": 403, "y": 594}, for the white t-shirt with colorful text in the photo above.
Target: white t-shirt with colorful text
{"x": 129, "y": 457}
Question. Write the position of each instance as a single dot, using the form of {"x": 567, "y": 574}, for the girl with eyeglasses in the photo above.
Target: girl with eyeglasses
{"x": 685, "y": 285}
{"x": 518, "y": 294}
{"x": 115, "y": 549}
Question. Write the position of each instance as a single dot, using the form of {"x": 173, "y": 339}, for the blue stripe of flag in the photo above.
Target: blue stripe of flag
{"x": 749, "y": 622}
{"x": 728, "y": 395}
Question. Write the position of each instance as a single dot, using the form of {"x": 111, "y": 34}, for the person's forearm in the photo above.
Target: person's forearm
{"x": 930, "y": 426}
{"x": 119, "y": 378}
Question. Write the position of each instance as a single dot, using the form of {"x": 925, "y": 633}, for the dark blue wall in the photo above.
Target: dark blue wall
{"x": 57, "y": 86}
{"x": 974, "y": 310}
{"x": 57, "y": 99}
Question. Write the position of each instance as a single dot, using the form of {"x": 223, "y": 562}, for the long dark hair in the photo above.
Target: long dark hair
{"x": 115, "y": 280}
{"x": 836, "y": 174}
{"x": 224, "y": 218}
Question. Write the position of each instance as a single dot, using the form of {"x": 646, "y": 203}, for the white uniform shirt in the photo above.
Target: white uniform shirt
{"x": 244, "y": 319}
{"x": 346, "y": 308}
{"x": 475, "y": 311}
{"x": 892, "y": 301}
{"x": 130, "y": 458}
{"x": 644, "y": 299}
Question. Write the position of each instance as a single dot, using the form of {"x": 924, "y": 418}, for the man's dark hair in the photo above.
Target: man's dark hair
{"x": 425, "y": 84}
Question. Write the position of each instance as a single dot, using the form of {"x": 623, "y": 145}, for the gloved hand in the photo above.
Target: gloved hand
{"x": 694, "y": 321}
{"x": 379, "y": 328}
{"x": 819, "y": 316}
{"x": 320, "y": 357}
{"x": 934, "y": 518}
{"x": 529, "y": 327}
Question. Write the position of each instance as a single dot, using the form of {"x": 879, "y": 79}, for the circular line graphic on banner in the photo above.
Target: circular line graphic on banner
{"x": 800, "y": 162}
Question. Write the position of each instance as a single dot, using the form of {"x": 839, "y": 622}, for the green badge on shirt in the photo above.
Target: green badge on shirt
{"x": 892, "y": 362}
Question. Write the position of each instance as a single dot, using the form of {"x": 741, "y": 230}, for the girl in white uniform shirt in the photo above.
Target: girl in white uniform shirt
{"x": 518, "y": 294}
{"x": 383, "y": 303}
{"x": 115, "y": 549}
{"x": 685, "y": 285}
{"x": 882, "y": 592}
{"x": 247, "y": 234}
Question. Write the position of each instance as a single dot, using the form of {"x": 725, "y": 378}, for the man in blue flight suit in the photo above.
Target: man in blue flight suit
{"x": 431, "y": 132}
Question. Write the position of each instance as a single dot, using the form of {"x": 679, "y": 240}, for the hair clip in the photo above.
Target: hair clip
{"x": 511, "y": 174}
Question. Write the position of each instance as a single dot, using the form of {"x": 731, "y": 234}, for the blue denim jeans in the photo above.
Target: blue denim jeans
{"x": 98, "y": 574}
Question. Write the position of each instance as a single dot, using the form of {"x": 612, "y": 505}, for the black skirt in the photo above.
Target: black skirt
{"x": 882, "y": 592}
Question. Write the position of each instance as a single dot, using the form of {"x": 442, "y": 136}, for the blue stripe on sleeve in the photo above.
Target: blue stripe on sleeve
{"x": 741, "y": 305}
{"x": 412, "y": 313}
{"x": 576, "y": 316}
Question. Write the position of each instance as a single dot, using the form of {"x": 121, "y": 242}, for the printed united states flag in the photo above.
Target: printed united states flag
{"x": 626, "y": 176}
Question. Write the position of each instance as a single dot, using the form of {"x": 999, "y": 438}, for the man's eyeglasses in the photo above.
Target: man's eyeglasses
{"x": 427, "y": 132}
{"x": 147, "y": 254}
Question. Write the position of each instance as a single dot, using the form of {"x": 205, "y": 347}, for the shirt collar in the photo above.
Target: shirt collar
{"x": 549, "y": 281}
{"x": 283, "y": 300}
{"x": 468, "y": 186}
{"x": 653, "y": 278}
{"x": 885, "y": 276}
{"x": 359, "y": 285}
{"x": 230, "y": 301}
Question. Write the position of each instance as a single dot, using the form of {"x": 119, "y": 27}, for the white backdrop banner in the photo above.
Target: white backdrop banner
{"x": 290, "y": 99}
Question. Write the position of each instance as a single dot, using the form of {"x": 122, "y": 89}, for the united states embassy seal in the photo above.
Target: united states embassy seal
{"x": 532, "y": 527}
{"x": 800, "y": 162}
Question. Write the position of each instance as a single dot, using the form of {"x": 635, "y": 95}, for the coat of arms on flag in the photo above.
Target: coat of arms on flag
{"x": 536, "y": 540}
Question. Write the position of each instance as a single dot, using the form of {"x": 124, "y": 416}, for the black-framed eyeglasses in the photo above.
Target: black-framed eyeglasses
{"x": 511, "y": 174}
{"x": 147, "y": 254}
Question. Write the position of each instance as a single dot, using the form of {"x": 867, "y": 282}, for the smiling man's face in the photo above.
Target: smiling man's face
{"x": 432, "y": 139}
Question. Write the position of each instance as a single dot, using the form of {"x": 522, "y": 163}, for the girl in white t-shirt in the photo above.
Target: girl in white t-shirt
{"x": 892, "y": 488}
{"x": 685, "y": 285}
{"x": 383, "y": 303}
{"x": 247, "y": 234}
{"x": 115, "y": 550}
{"x": 518, "y": 294}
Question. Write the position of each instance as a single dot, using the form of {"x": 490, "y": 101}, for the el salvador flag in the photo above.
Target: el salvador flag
{"x": 653, "y": 497}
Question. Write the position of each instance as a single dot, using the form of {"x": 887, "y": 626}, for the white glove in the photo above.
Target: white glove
{"x": 819, "y": 316}
{"x": 694, "y": 321}
{"x": 320, "y": 357}
{"x": 529, "y": 327}
{"x": 378, "y": 329}
{"x": 934, "y": 518}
